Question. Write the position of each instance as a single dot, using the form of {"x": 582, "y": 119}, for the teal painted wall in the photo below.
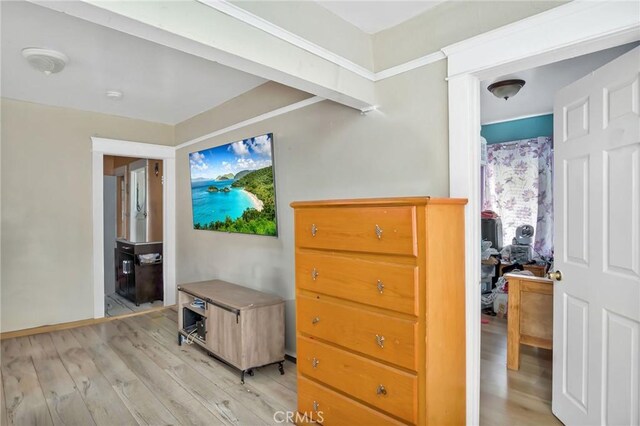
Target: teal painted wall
{"x": 514, "y": 130}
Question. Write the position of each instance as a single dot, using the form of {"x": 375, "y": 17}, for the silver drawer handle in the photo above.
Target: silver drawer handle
{"x": 379, "y": 232}
{"x": 380, "y": 340}
{"x": 314, "y": 230}
{"x": 314, "y": 274}
{"x": 315, "y": 320}
{"x": 380, "y": 286}
{"x": 381, "y": 390}
{"x": 314, "y": 362}
{"x": 316, "y": 406}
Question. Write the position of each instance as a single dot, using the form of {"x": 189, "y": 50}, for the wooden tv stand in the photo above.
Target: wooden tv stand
{"x": 239, "y": 326}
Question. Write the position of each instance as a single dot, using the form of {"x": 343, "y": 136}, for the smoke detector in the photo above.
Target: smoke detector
{"x": 45, "y": 60}
{"x": 114, "y": 94}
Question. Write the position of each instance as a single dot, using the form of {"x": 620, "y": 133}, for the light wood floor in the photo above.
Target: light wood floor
{"x": 116, "y": 305}
{"x": 131, "y": 371}
{"x": 508, "y": 397}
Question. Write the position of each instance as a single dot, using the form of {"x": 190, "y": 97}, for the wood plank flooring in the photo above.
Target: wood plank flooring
{"x": 509, "y": 397}
{"x": 116, "y": 305}
{"x": 131, "y": 371}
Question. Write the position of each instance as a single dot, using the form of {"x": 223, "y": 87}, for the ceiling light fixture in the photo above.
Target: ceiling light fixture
{"x": 45, "y": 60}
{"x": 506, "y": 89}
{"x": 114, "y": 94}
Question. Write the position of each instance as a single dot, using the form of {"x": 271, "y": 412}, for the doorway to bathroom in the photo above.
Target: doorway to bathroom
{"x": 133, "y": 234}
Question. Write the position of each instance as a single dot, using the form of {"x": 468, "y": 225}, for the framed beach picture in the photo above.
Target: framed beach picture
{"x": 233, "y": 189}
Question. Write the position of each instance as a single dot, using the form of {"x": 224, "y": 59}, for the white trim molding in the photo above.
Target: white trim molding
{"x": 267, "y": 115}
{"x": 257, "y": 22}
{"x": 411, "y": 65}
{"x": 464, "y": 173}
{"x": 270, "y": 28}
{"x": 576, "y": 28}
{"x": 589, "y": 26}
{"x": 101, "y": 147}
{"x": 519, "y": 117}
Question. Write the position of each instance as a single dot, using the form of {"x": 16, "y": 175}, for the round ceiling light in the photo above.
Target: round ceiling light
{"x": 45, "y": 60}
{"x": 506, "y": 88}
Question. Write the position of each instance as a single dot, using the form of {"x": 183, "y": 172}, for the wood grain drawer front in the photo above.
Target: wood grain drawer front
{"x": 384, "y": 337}
{"x": 366, "y": 229}
{"x": 385, "y": 285}
{"x": 334, "y": 409}
{"x": 384, "y": 387}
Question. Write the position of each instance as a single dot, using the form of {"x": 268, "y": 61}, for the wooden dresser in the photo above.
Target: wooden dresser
{"x": 380, "y": 311}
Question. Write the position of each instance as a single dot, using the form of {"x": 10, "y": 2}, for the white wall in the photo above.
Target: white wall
{"x": 328, "y": 151}
{"x": 448, "y": 23}
{"x": 46, "y": 241}
{"x": 322, "y": 151}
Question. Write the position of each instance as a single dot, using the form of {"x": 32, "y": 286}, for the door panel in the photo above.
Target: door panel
{"x": 620, "y": 390}
{"x": 622, "y": 210}
{"x": 620, "y": 100}
{"x": 576, "y": 206}
{"x": 596, "y": 371}
{"x": 576, "y": 120}
{"x": 575, "y": 379}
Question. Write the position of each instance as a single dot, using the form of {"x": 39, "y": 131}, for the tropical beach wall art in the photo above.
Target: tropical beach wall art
{"x": 232, "y": 187}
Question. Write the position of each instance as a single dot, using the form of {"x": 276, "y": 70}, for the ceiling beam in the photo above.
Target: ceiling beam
{"x": 203, "y": 31}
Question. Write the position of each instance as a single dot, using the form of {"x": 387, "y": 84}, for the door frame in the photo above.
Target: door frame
{"x": 101, "y": 147}
{"x": 577, "y": 28}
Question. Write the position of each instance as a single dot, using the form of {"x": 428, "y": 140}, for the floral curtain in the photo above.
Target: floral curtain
{"x": 518, "y": 187}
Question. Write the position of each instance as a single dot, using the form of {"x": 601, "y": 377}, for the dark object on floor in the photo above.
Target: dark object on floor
{"x": 489, "y": 311}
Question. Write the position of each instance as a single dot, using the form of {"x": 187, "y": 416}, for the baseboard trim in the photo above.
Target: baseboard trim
{"x": 74, "y": 324}
{"x": 290, "y": 358}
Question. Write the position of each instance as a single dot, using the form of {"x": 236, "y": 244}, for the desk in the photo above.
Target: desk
{"x": 530, "y": 318}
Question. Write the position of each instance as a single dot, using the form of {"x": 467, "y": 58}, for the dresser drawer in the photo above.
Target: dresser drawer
{"x": 386, "y": 285}
{"x": 385, "y": 337}
{"x": 367, "y": 229}
{"x": 384, "y": 387}
{"x": 332, "y": 408}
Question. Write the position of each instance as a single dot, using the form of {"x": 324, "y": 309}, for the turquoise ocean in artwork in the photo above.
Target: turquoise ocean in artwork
{"x": 213, "y": 206}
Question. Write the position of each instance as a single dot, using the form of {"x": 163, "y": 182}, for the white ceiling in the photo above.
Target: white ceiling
{"x": 536, "y": 97}
{"x": 159, "y": 84}
{"x": 374, "y": 16}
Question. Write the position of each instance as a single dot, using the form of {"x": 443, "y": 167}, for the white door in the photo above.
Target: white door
{"x": 596, "y": 332}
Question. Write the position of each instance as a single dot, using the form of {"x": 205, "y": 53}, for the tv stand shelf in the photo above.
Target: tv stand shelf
{"x": 239, "y": 326}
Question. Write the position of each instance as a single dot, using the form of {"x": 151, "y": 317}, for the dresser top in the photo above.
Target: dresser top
{"x": 364, "y": 202}
{"x": 231, "y": 295}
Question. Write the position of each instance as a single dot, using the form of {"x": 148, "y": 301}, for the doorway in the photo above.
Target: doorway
{"x": 516, "y": 187}
{"x": 560, "y": 34}
{"x": 133, "y": 224}
{"x": 159, "y": 162}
